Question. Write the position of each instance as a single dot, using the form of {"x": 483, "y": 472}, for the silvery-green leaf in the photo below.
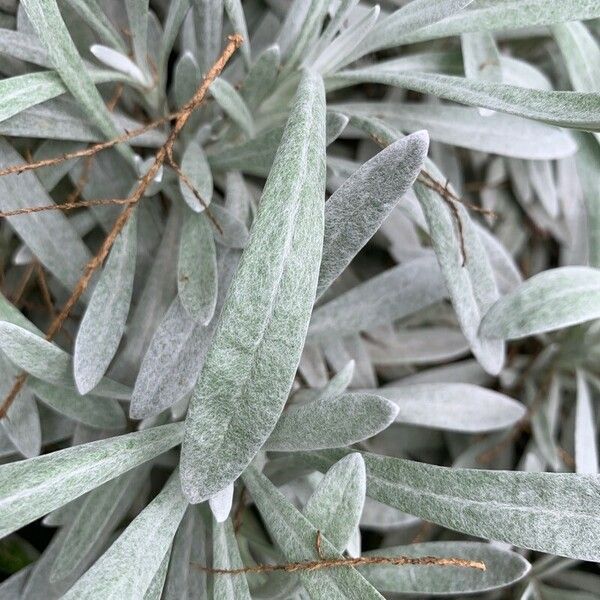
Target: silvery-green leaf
{"x": 127, "y": 568}
{"x": 576, "y": 110}
{"x": 176, "y": 584}
{"x": 197, "y": 169}
{"x": 176, "y": 353}
{"x": 227, "y": 556}
{"x": 24, "y": 91}
{"x": 52, "y": 31}
{"x": 335, "y": 56}
{"x": 337, "y": 21}
{"x": 137, "y": 15}
{"x": 99, "y": 509}
{"x": 588, "y": 169}
{"x": 335, "y": 506}
{"x": 481, "y": 56}
{"x": 581, "y": 53}
{"x": 31, "y": 488}
{"x": 261, "y": 77}
{"x": 235, "y": 12}
{"x": 178, "y": 9}
{"x": 46, "y": 361}
{"x": 117, "y": 60}
{"x": 296, "y": 537}
{"x": 186, "y": 76}
{"x": 254, "y": 156}
{"x": 220, "y": 503}
{"x": 22, "y": 423}
{"x": 155, "y": 589}
{"x": 414, "y": 16}
{"x": 234, "y": 233}
{"x": 233, "y": 105}
{"x": 23, "y": 46}
{"x": 466, "y": 269}
{"x": 338, "y": 384}
{"x": 359, "y": 206}
{"x": 394, "y": 294}
{"x": 499, "y": 133}
{"x": 508, "y": 14}
{"x": 93, "y": 411}
{"x": 197, "y": 268}
{"x": 208, "y": 21}
{"x": 334, "y": 126}
{"x": 453, "y": 406}
{"x": 48, "y": 235}
{"x": 548, "y": 512}
{"x": 317, "y": 424}
{"x": 307, "y": 35}
{"x": 586, "y": 450}
{"x": 257, "y": 345}
{"x": 103, "y": 323}
{"x": 92, "y": 13}
{"x": 551, "y": 300}
{"x": 419, "y": 346}
{"x": 502, "y": 568}
{"x": 541, "y": 177}
{"x": 62, "y": 119}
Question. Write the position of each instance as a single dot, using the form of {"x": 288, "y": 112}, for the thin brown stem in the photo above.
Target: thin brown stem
{"x": 332, "y": 563}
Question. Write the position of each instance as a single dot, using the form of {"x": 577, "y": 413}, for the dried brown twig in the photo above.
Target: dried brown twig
{"x": 162, "y": 155}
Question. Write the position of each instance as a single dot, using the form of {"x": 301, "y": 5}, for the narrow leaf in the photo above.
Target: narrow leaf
{"x": 256, "y": 349}
{"x": 227, "y": 556}
{"x": 586, "y": 449}
{"x": 32, "y": 488}
{"x": 197, "y": 170}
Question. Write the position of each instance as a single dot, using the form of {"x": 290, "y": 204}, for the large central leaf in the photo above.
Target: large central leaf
{"x": 256, "y": 349}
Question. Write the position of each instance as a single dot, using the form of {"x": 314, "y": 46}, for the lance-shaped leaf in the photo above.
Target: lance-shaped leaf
{"x": 197, "y": 170}
{"x": 235, "y": 12}
{"x": 261, "y": 77}
{"x": 197, "y": 269}
{"x": 588, "y": 169}
{"x": 576, "y": 110}
{"x": 100, "y": 509}
{"x": 220, "y": 503}
{"x": 48, "y": 23}
{"x": 176, "y": 584}
{"x": 24, "y": 91}
{"x": 551, "y": 300}
{"x": 103, "y": 323}
{"x": 233, "y": 105}
{"x": 176, "y": 353}
{"x": 508, "y": 14}
{"x": 556, "y": 513}
{"x": 296, "y": 537}
{"x": 502, "y": 568}
{"x": 49, "y": 235}
{"x": 358, "y": 207}
{"x": 465, "y": 127}
{"x": 93, "y": 411}
{"x": 466, "y": 268}
{"x": 413, "y": 16}
{"x": 317, "y": 424}
{"x": 118, "y": 61}
{"x": 256, "y": 349}
{"x": 46, "y": 361}
{"x": 128, "y": 567}
{"x": 453, "y": 406}
{"x": 335, "y": 506}
{"x": 137, "y": 15}
{"x": 586, "y": 450}
{"x": 32, "y": 488}
{"x": 394, "y": 294}
{"x": 227, "y": 556}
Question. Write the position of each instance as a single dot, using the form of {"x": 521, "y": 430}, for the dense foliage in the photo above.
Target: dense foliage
{"x": 300, "y": 299}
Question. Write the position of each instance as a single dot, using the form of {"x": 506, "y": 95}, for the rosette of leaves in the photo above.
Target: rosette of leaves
{"x": 346, "y": 288}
